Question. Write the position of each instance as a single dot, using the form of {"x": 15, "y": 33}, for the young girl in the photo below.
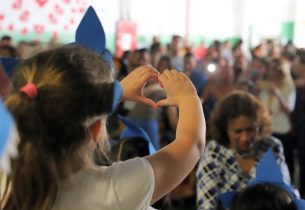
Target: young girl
{"x": 60, "y": 101}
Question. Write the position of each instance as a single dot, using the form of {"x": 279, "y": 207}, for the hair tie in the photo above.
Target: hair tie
{"x": 30, "y": 90}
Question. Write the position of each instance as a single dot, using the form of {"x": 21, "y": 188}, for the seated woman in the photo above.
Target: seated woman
{"x": 240, "y": 132}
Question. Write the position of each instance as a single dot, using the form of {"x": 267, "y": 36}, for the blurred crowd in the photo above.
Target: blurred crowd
{"x": 274, "y": 73}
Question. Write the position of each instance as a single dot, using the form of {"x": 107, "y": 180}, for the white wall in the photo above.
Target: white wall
{"x": 208, "y": 18}
{"x": 299, "y": 36}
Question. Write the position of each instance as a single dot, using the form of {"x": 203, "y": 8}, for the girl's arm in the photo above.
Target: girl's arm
{"x": 175, "y": 161}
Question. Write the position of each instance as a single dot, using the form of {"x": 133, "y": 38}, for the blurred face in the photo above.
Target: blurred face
{"x": 242, "y": 133}
{"x": 189, "y": 65}
{"x": 176, "y": 45}
{"x": 224, "y": 73}
{"x": 276, "y": 71}
{"x": 144, "y": 58}
{"x": 257, "y": 65}
{"x": 164, "y": 64}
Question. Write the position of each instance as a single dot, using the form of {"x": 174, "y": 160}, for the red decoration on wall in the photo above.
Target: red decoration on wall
{"x": 52, "y": 19}
{"x": 24, "y": 16}
{"x": 58, "y": 9}
{"x": 10, "y": 27}
{"x": 41, "y": 3}
{"x": 39, "y": 29}
{"x": 82, "y": 10}
{"x": 55, "y": 34}
{"x": 126, "y": 37}
{"x": 17, "y": 4}
{"x": 41, "y": 16}
{"x": 24, "y": 31}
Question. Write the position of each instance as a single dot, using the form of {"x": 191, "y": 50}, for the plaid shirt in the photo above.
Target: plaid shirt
{"x": 218, "y": 170}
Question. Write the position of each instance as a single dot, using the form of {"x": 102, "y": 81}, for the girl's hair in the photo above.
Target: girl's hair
{"x": 238, "y": 103}
{"x": 73, "y": 86}
{"x": 262, "y": 197}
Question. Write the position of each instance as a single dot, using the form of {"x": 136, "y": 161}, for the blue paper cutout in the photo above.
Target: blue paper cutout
{"x": 267, "y": 171}
{"x": 7, "y": 123}
{"x": 132, "y": 130}
{"x": 9, "y": 64}
{"x": 226, "y": 199}
{"x": 90, "y": 32}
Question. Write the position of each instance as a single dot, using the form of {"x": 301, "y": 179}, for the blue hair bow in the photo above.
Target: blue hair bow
{"x": 267, "y": 171}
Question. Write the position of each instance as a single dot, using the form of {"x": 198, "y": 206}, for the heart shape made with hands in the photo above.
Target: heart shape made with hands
{"x": 152, "y": 93}
{"x": 139, "y": 85}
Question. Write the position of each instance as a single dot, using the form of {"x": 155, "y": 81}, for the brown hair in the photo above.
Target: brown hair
{"x": 238, "y": 103}
{"x": 73, "y": 85}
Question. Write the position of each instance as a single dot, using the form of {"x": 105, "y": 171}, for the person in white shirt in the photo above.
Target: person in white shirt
{"x": 278, "y": 94}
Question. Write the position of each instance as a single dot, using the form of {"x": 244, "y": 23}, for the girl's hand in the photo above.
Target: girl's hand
{"x": 134, "y": 83}
{"x": 178, "y": 87}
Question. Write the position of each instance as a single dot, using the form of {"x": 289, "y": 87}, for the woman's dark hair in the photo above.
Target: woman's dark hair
{"x": 238, "y": 103}
{"x": 73, "y": 86}
{"x": 263, "y": 197}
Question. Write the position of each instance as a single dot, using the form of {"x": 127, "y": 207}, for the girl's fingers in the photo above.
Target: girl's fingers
{"x": 166, "y": 74}
{"x": 162, "y": 102}
{"x": 148, "y": 75}
{"x": 148, "y": 101}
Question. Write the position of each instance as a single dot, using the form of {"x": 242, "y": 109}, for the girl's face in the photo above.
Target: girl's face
{"x": 242, "y": 133}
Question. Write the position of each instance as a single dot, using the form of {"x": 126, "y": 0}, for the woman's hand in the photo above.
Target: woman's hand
{"x": 134, "y": 83}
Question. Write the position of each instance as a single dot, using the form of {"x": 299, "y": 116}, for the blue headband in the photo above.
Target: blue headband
{"x": 117, "y": 94}
{"x": 132, "y": 130}
{"x": 267, "y": 171}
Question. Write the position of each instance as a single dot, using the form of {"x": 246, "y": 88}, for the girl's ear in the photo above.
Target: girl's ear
{"x": 95, "y": 129}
